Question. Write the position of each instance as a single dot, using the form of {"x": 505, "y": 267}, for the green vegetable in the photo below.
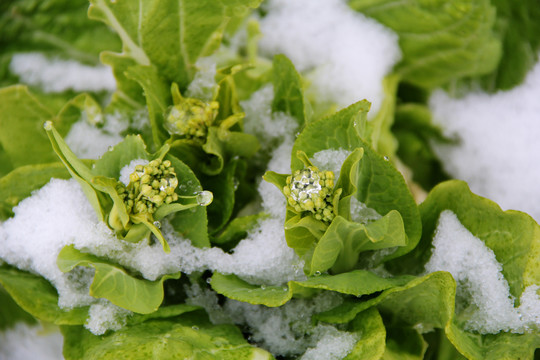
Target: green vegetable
{"x": 359, "y": 236}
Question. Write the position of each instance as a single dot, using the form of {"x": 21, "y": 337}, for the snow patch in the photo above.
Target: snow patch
{"x": 483, "y": 292}
{"x": 498, "y": 149}
{"x": 56, "y": 75}
{"x": 350, "y": 56}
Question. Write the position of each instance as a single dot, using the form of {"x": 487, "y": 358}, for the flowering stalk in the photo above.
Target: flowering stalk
{"x": 133, "y": 211}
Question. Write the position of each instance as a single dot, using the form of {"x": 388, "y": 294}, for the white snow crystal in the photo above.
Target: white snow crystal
{"x": 203, "y": 84}
{"x": 498, "y": 151}
{"x": 104, "y": 316}
{"x": 482, "y": 288}
{"x": 330, "y": 159}
{"x": 55, "y": 75}
{"x": 346, "y": 53}
{"x": 285, "y": 330}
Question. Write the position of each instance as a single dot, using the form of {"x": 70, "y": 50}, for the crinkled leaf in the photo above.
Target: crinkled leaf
{"x": 114, "y": 283}
{"x": 441, "y": 41}
{"x": 372, "y": 343}
{"x": 356, "y": 283}
{"x": 288, "y": 90}
{"x": 340, "y": 246}
{"x": 186, "y": 337}
{"x": 167, "y": 36}
{"x": 39, "y": 298}
{"x": 342, "y": 130}
{"x": 379, "y": 185}
{"x": 302, "y": 232}
{"x": 513, "y": 236}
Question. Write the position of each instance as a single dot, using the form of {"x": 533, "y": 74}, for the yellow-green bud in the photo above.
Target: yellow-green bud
{"x": 311, "y": 190}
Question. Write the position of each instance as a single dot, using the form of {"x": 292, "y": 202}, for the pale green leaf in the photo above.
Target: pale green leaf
{"x": 116, "y": 284}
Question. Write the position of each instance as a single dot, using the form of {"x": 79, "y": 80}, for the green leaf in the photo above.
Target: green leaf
{"x": 58, "y": 28}
{"x": 440, "y": 41}
{"x": 428, "y": 301}
{"x": 114, "y": 283}
{"x": 20, "y": 183}
{"x": 340, "y": 246}
{"x": 404, "y": 343}
{"x": 517, "y": 25}
{"x": 110, "y": 164}
{"x": 342, "y": 130}
{"x": 193, "y": 223}
{"x": 382, "y": 188}
{"x": 158, "y": 98}
{"x": 415, "y": 132}
{"x": 21, "y": 119}
{"x": 379, "y": 185}
{"x": 167, "y": 35}
{"x": 237, "y": 229}
{"x": 356, "y": 283}
{"x": 78, "y": 170}
{"x": 223, "y": 188}
{"x": 372, "y": 343}
{"x": 11, "y": 313}
{"x": 288, "y": 90}
{"x": 184, "y": 337}
{"x": 513, "y": 236}
{"x": 39, "y": 298}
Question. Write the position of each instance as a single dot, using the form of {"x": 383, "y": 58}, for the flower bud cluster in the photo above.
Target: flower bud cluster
{"x": 311, "y": 190}
{"x": 150, "y": 186}
{"x": 191, "y": 118}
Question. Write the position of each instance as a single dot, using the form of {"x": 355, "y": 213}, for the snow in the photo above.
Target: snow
{"x": 56, "y": 75}
{"x": 482, "y": 291}
{"x": 203, "y": 84}
{"x": 129, "y": 169}
{"x": 330, "y": 159}
{"x": 25, "y": 342}
{"x": 270, "y": 128}
{"x": 498, "y": 148}
{"x": 103, "y": 316}
{"x": 288, "y": 330}
{"x": 344, "y": 54}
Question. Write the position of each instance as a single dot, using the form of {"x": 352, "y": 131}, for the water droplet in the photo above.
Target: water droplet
{"x": 195, "y": 327}
{"x": 263, "y": 287}
{"x": 297, "y": 134}
{"x": 236, "y": 183}
{"x": 317, "y": 273}
{"x": 157, "y": 224}
{"x": 386, "y": 158}
{"x": 110, "y": 148}
{"x": 209, "y": 280}
{"x": 48, "y": 125}
{"x": 285, "y": 288}
{"x": 204, "y": 198}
